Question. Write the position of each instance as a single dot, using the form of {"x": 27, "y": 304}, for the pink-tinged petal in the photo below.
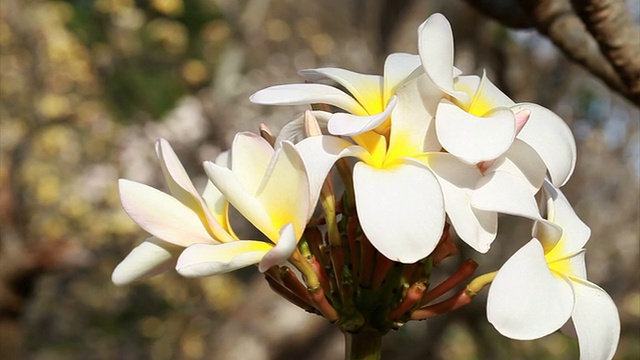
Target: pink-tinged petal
{"x": 162, "y": 215}
{"x": 282, "y": 251}
{"x": 246, "y": 203}
{"x": 206, "y": 260}
{"x": 319, "y": 153}
{"x": 412, "y": 124}
{"x": 559, "y": 211}
{"x": 348, "y": 124}
{"x": 521, "y": 160}
{"x": 294, "y": 130}
{"x": 400, "y": 209}
{"x": 367, "y": 89}
{"x": 435, "y": 45}
{"x": 476, "y": 227}
{"x": 148, "y": 259}
{"x": 505, "y": 193}
{"x": 284, "y": 192}
{"x": 596, "y": 320}
{"x": 302, "y": 94}
{"x": 474, "y": 139}
{"x": 250, "y": 157}
{"x": 526, "y": 301}
{"x": 550, "y": 136}
{"x": 398, "y": 69}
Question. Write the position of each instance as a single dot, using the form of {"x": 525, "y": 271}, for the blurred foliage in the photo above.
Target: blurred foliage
{"x": 87, "y": 86}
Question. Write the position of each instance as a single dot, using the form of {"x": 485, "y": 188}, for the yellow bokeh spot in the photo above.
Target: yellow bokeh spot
{"x": 169, "y": 7}
{"x": 195, "y": 72}
{"x": 278, "y": 30}
{"x": 152, "y": 327}
{"x": 322, "y": 44}
{"x": 48, "y": 190}
{"x": 54, "y": 106}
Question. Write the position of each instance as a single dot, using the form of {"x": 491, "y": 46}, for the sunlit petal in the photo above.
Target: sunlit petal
{"x": 521, "y": 160}
{"x": 206, "y": 260}
{"x": 250, "y": 157}
{"x": 559, "y": 211}
{"x": 400, "y": 209}
{"x": 474, "y": 139}
{"x": 526, "y": 301}
{"x": 348, "y": 124}
{"x": 150, "y": 258}
{"x": 505, "y": 193}
{"x": 302, "y": 94}
{"x": 162, "y": 215}
{"x": 435, "y": 46}
{"x": 552, "y": 139}
{"x": 367, "y": 89}
{"x": 398, "y": 69}
{"x": 596, "y": 320}
{"x": 282, "y": 251}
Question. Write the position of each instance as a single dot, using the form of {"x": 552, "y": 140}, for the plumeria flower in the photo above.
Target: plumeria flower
{"x": 545, "y": 283}
{"x": 369, "y": 104}
{"x": 175, "y": 221}
{"x": 270, "y": 188}
{"x": 478, "y": 123}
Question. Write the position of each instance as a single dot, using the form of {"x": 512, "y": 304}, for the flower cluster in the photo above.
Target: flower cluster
{"x": 422, "y": 153}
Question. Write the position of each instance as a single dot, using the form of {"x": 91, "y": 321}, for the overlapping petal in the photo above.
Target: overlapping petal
{"x": 348, "y": 124}
{"x": 576, "y": 233}
{"x": 209, "y": 259}
{"x": 282, "y": 250}
{"x": 399, "y": 68}
{"x": 526, "y": 301}
{"x": 400, "y": 208}
{"x": 151, "y": 257}
{"x": 505, "y": 193}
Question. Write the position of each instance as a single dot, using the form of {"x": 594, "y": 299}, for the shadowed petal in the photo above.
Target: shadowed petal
{"x": 294, "y": 130}
{"x": 400, "y": 208}
{"x": 505, "y": 193}
{"x": 526, "y": 301}
{"x": 206, "y": 260}
{"x": 348, "y": 124}
{"x": 148, "y": 259}
{"x": 398, "y": 69}
{"x": 521, "y": 160}
{"x": 559, "y": 211}
{"x": 250, "y": 158}
{"x": 303, "y": 94}
{"x": 282, "y": 251}
{"x": 162, "y": 215}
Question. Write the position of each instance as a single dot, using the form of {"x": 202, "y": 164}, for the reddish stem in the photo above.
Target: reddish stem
{"x": 463, "y": 273}
{"x": 414, "y": 294}
{"x": 458, "y": 300}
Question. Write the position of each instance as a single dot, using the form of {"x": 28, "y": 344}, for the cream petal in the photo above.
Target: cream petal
{"x": 476, "y": 227}
{"x": 319, "y": 153}
{"x": 398, "y": 69}
{"x": 176, "y": 176}
{"x": 162, "y": 215}
{"x": 559, "y": 211}
{"x": 474, "y": 139}
{"x": 521, "y": 160}
{"x": 282, "y": 251}
{"x": 294, "y": 130}
{"x": 400, "y": 209}
{"x": 435, "y": 45}
{"x": 348, "y": 124}
{"x": 303, "y": 94}
{"x": 505, "y": 193}
{"x": 250, "y": 158}
{"x": 550, "y": 136}
{"x": 148, "y": 259}
{"x": 284, "y": 192}
{"x": 596, "y": 320}
{"x": 526, "y": 301}
{"x": 206, "y": 260}
{"x": 367, "y": 89}
{"x": 246, "y": 203}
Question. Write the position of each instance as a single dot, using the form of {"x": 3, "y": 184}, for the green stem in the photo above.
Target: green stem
{"x": 363, "y": 345}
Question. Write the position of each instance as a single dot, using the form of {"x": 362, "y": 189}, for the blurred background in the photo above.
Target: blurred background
{"x": 88, "y": 86}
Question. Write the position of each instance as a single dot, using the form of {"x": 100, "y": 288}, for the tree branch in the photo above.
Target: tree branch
{"x": 617, "y": 35}
{"x": 556, "y": 19}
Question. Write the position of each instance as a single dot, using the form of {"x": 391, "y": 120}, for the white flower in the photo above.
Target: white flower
{"x": 544, "y": 284}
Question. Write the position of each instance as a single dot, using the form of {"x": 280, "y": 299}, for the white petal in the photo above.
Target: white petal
{"x": 526, "y": 301}
{"x": 559, "y": 211}
{"x": 435, "y": 46}
{"x": 150, "y": 258}
{"x": 250, "y": 157}
{"x": 246, "y": 203}
{"x": 162, "y": 215}
{"x": 596, "y": 320}
{"x": 398, "y": 69}
{"x": 348, "y": 124}
{"x": 206, "y": 260}
{"x": 486, "y": 96}
{"x": 294, "y": 130}
{"x": 476, "y": 227}
{"x": 505, "y": 193}
{"x": 282, "y": 251}
{"x": 474, "y": 139}
{"x": 521, "y": 160}
{"x": 550, "y": 136}
{"x": 319, "y": 153}
{"x": 284, "y": 192}
{"x": 176, "y": 176}
{"x": 302, "y": 94}
{"x": 367, "y": 89}
{"x": 400, "y": 209}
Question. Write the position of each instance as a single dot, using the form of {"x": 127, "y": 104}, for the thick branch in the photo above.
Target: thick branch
{"x": 507, "y": 12}
{"x": 556, "y": 19}
{"x": 618, "y": 36}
